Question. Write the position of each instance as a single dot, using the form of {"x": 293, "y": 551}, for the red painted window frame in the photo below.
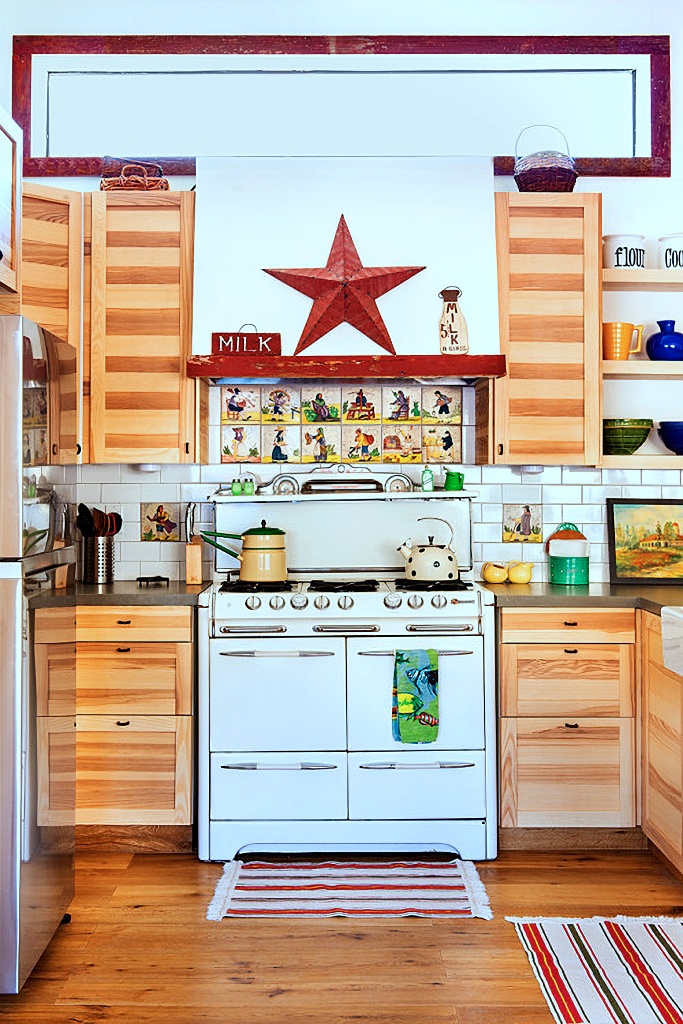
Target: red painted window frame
{"x": 657, "y": 47}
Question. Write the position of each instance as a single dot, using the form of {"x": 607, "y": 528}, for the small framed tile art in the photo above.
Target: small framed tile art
{"x": 159, "y": 522}
{"x": 320, "y": 403}
{"x": 522, "y": 523}
{"x": 240, "y": 404}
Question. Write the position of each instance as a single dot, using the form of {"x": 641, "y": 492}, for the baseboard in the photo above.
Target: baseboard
{"x": 135, "y": 838}
{"x": 554, "y": 839}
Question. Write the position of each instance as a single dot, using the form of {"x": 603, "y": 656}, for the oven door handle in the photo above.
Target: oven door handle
{"x": 302, "y": 766}
{"x": 441, "y": 627}
{"x": 401, "y": 766}
{"x": 348, "y": 627}
{"x": 276, "y": 654}
{"x": 392, "y": 654}
{"x": 252, "y": 630}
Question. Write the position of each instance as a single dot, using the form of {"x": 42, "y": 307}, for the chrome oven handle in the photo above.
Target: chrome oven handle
{"x": 302, "y": 766}
{"x": 392, "y": 654}
{"x": 441, "y": 627}
{"x": 276, "y": 654}
{"x": 400, "y": 766}
{"x": 351, "y": 627}
{"x": 253, "y": 630}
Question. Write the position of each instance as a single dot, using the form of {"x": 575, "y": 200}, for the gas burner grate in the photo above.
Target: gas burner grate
{"x": 337, "y": 586}
{"x": 254, "y": 586}
{"x": 408, "y": 584}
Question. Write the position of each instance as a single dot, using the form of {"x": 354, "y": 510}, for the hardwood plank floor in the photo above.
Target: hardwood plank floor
{"x": 139, "y": 949}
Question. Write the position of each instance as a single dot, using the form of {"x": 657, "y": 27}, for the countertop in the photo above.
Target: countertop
{"x": 651, "y": 598}
{"x": 125, "y": 592}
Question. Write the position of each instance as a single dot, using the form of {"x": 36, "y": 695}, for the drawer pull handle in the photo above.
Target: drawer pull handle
{"x": 570, "y": 623}
{"x": 276, "y": 654}
{"x": 123, "y": 723}
{"x": 396, "y": 766}
{"x": 441, "y": 627}
{"x": 392, "y": 654}
{"x": 123, "y": 622}
{"x": 571, "y": 725}
{"x": 123, "y": 650}
{"x": 302, "y": 766}
{"x": 571, "y": 650}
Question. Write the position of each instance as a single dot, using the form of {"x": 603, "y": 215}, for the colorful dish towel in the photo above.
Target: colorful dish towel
{"x": 415, "y": 703}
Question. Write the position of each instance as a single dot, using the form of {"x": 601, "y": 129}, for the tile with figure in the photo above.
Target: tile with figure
{"x": 241, "y": 442}
{"x": 280, "y": 444}
{"x": 523, "y": 523}
{"x": 361, "y": 443}
{"x": 320, "y": 403}
{"x": 401, "y": 443}
{"x": 401, "y": 404}
{"x": 280, "y": 404}
{"x": 240, "y": 404}
{"x": 442, "y": 443}
{"x": 442, "y": 404}
{"x": 321, "y": 443}
{"x": 159, "y": 522}
{"x": 361, "y": 404}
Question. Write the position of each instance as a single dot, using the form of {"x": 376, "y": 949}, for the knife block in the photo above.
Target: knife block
{"x": 193, "y": 561}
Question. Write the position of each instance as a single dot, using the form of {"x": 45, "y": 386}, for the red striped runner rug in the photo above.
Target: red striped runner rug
{"x": 364, "y": 888}
{"x": 600, "y": 970}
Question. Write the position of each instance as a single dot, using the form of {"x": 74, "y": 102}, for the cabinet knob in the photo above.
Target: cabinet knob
{"x": 570, "y": 623}
{"x": 123, "y": 723}
{"x": 571, "y": 650}
{"x": 123, "y": 650}
{"x": 571, "y": 725}
{"x": 123, "y": 622}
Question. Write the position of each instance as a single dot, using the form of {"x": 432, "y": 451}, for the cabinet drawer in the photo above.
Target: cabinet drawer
{"x": 420, "y": 784}
{"x": 570, "y": 773}
{"x": 555, "y": 625}
{"x": 133, "y": 622}
{"x": 588, "y": 680}
{"x": 54, "y": 625}
{"x": 308, "y": 786}
{"x": 134, "y": 678}
{"x": 133, "y": 770}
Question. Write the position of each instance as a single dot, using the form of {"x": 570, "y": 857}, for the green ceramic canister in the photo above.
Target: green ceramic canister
{"x": 568, "y": 558}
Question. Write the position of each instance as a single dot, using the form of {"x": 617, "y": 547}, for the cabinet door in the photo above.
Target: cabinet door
{"x": 10, "y": 205}
{"x": 134, "y": 770}
{"x": 134, "y": 678}
{"x": 662, "y": 739}
{"x": 142, "y": 403}
{"x": 547, "y": 409}
{"x": 567, "y": 772}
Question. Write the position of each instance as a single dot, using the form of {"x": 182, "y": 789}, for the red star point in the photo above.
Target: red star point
{"x": 344, "y": 291}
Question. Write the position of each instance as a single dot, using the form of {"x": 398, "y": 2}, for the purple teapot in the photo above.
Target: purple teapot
{"x": 666, "y": 343}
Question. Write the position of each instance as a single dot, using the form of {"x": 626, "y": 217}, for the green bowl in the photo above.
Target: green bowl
{"x": 624, "y": 436}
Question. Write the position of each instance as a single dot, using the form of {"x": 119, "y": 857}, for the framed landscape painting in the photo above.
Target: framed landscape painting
{"x": 645, "y": 540}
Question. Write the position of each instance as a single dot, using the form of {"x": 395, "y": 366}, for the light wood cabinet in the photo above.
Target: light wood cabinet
{"x": 134, "y": 763}
{"x": 662, "y": 745}
{"x": 547, "y": 408}
{"x": 10, "y": 208}
{"x": 54, "y": 660}
{"x": 142, "y": 406}
{"x": 567, "y": 728}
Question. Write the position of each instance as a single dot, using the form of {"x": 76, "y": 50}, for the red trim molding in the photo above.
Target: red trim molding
{"x": 657, "y": 47}
{"x": 469, "y": 367}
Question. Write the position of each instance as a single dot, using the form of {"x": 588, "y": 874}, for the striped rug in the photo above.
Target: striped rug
{"x": 600, "y": 970}
{"x": 363, "y": 888}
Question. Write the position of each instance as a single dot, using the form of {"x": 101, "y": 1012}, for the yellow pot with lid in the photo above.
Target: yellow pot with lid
{"x": 263, "y": 558}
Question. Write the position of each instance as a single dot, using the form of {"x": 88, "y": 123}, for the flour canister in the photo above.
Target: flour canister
{"x": 623, "y": 252}
{"x": 568, "y": 551}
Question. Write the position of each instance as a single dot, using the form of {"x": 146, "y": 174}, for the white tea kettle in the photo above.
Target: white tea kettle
{"x": 430, "y": 561}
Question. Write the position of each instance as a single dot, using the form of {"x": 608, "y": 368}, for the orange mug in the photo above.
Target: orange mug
{"x": 617, "y": 339}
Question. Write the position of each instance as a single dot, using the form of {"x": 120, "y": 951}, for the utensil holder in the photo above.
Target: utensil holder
{"x": 98, "y": 559}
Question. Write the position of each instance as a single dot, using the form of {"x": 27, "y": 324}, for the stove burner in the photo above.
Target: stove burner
{"x": 407, "y": 584}
{"x": 153, "y": 581}
{"x": 337, "y": 586}
{"x": 254, "y": 586}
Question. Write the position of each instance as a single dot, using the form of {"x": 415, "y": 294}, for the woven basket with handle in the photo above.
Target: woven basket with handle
{"x": 546, "y": 170}
{"x": 140, "y": 177}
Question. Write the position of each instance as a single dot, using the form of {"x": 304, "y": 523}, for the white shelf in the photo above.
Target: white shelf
{"x": 241, "y": 499}
{"x": 642, "y": 280}
{"x": 643, "y": 369}
{"x": 637, "y": 461}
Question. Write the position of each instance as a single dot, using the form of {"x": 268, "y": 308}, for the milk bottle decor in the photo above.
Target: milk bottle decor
{"x": 452, "y": 325}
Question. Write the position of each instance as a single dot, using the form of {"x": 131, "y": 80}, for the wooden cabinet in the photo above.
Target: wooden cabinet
{"x": 10, "y": 207}
{"x": 138, "y": 298}
{"x": 547, "y": 409}
{"x": 567, "y": 729}
{"x": 662, "y": 745}
{"x": 135, "y": 726}
{"x": 54, "y": 660}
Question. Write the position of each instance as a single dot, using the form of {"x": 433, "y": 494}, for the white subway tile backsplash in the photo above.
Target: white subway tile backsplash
{"x": 490, "y": 492}
{"x": 598, "y": 494}
{"x": 134, "y": 475}
{"x": 123, "y": 492}
{"x": 99, "y": 474}
{"x": 487, "y": 532}
{"x": 584, "y": 513}
{"x": 580, "y": 475}
{"x": 641, "y": 492}
{"x": 500, "y": 474}
{"x": 90, "y": 494}
{"x": 672, "y": 492}
{"x": 522, "y": 493}
{"x": 621, "y": 476}
{"x": 491, "y": 513}
{"x": 671, "y": 477}
{"x": 548, "y": 475}
{"x": 561, "y": 495}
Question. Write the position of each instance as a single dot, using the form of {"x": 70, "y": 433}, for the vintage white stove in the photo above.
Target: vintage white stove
{"x": 295, "y": 701}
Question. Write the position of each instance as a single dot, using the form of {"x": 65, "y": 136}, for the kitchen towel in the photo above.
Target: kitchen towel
{"x": 672, "y": 638}
{"x": 415, "y": 701}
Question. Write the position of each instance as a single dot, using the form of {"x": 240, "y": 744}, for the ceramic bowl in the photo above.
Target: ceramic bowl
{"x": 624, "y": 436}
{"x": 671, "y": 433}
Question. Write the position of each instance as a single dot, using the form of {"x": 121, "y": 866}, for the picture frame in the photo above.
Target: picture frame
{"x": 645, "y": 541}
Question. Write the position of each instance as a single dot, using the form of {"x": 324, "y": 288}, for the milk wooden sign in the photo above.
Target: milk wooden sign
{"x": 237, "y": 343}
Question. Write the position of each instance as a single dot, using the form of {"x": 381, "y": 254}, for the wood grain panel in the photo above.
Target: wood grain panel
{"x": 558, "y": 625}
{"x": 134, "y": 678}
{"x": 134, "y": 622}
{"x": 550, "y": 281}
{"x": 55, "y": 669}
{"x": 545, "y": 226}
{"x": 54, "y": 625}
{"x": 546, "y": 303}
{"x": 523, "y": 387}
{"x": 550, "y": 372}
{"x": 563, "y": 408}
{"x": 547, "y": 331}
{"x": 543, "y": 264}
{"x": 547, "y": 246}
{"x": 56, "y": 770}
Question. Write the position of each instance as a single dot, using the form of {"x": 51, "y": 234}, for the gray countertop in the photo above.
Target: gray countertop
{"x": 651, "y": 598}
{"x": 126, "y": 592}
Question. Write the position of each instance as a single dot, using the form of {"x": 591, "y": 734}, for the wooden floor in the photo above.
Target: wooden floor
{"x": 140, "y": 950}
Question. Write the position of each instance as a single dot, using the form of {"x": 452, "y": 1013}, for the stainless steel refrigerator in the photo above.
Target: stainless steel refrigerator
{"x": 38, "y": 376}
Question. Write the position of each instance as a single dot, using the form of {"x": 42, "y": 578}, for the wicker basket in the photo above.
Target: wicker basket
{"x": 546, "y": 170}
{"x": 139, "y": 177}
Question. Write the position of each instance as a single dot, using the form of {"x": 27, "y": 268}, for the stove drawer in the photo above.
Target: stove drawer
{"x": 461, "y": 692}
{"x": 272, "y": 694}
{"x": 273, "y": 787}
{"x": 419, "y": 784}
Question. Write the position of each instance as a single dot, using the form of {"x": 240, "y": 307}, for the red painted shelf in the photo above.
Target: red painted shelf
{"x": 347, "y": 367}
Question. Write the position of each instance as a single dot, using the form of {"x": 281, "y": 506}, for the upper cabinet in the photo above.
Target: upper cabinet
{"x": 10, "y": 203}
{"x": 547, "y": 409}
{"x": 138, "y": 301}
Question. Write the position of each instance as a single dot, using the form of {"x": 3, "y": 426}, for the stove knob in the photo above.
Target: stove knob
{"x": 345, "y": 601}
{"x": 277, "y": 602}
{"x": 322, "y": 601}
{"x": 393, "y": 600}
{"x": 439, "y": 601}
{"x": 299, "y": 601}
{"x": 253, "y": 602}
{"x": 415, "y": 601}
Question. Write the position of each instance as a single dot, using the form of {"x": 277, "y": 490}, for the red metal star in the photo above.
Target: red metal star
{"x": 344, "y": 291}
